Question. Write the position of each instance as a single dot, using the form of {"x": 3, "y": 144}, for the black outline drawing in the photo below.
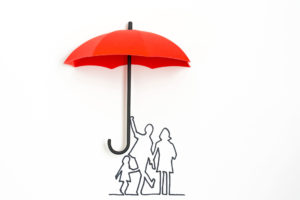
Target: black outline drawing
{"x": 143, "y": 146}
{"x": 122, "y": 172}
{"x": 165, "y": 174}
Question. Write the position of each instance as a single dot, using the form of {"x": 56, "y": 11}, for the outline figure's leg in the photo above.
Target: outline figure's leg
{"x": 163, "y": 183}
{"x": 126, "y": 187}
{"x": 169, "y": 183}
{"x": 160, "y": 183}
{"x": 138, "y": 186}
{"x": 146, "y": 175}
{"x": 141, "y": 186}
{"x": 121, "y": 188}
{"x": 166, "y": 182}
{"x": 148, "y": 179}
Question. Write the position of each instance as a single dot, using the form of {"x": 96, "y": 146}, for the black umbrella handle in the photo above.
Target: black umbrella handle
{"x": 128, "y": 105}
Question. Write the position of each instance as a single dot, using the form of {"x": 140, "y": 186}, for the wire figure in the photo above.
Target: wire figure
{"x": 142, "y": 153}
{"x": 166, "y": 152}
{"x": 124, "y": 174}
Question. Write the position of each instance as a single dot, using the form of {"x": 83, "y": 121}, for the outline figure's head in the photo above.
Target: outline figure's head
{"x": 165, "y": 135}
{"x": 149, "y": 129}
{"x": 126, "y": 159}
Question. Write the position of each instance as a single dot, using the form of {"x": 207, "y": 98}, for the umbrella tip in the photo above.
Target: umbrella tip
{"x": 130, "y": 25}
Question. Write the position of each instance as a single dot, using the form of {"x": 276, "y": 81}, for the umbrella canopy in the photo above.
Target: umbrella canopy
{"x": 111, "y": 50}
{"x": 128, "y": 47}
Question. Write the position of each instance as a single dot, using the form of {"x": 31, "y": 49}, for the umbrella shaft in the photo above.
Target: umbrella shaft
{"x": 128, "y": 105}
{"x": 128, "y": 99}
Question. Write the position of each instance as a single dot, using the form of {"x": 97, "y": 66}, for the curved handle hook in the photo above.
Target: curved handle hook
{"x": 118, "y": 152}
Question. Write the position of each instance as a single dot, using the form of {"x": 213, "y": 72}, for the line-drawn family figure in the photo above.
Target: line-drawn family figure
{"x": 144, "y": 153}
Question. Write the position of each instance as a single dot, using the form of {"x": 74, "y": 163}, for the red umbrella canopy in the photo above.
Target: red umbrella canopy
{"x": 111, "y": 50}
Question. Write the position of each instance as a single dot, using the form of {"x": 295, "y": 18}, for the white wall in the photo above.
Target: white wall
{"x": 234, "y": 115}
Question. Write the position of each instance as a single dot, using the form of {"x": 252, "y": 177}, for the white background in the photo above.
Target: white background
{"x": 234, "y": 115}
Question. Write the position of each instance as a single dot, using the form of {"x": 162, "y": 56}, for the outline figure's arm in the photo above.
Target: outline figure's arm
{"x": 133, "y": 128}
{"x": 135, "y": 170}
{"x": 132, "y": 169}
{"x": 175, "y": 152}
{"x": 119, "y": 173}
{"x": 156, "y": 151}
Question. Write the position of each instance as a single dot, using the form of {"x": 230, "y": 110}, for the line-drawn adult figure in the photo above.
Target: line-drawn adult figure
{"x": 166, "y": 152}
{"x": 142, "y": 152}
{"x": 124, "y": 173}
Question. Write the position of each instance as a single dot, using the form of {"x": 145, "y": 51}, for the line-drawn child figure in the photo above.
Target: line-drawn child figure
{"x": 166, "y": 152}
{"x": 124, "y": 174}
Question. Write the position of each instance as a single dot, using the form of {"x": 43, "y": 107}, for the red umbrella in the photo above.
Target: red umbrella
{"x": 128, "y": 47}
